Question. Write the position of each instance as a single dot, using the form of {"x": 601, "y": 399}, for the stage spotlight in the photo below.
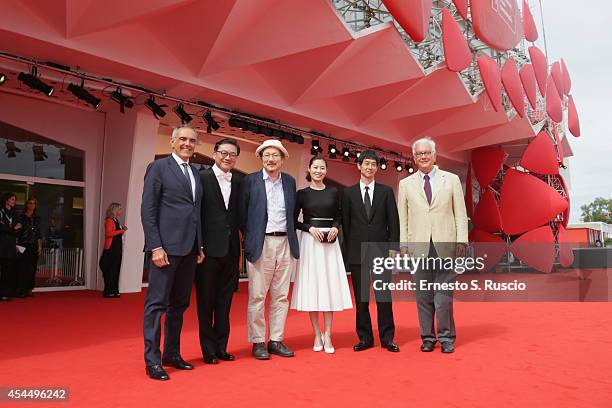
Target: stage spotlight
{"x": 357, "y": 154}
{"x": 122, "y": 100}
{"x": 2, "y": 78}
{"x": 211, "y": 123}
{"x": 383, "y": 163}
{"x": 315, "y": 147}
{"x": 346, "y": 154}
{"x": 235, "y": 122}
{"x": 299, "y": 139}
{"x": 252, "y": 127}
{"x": 266, "y": 131}
{"x": 398, "y": 166}
{"x": 84, "y": 95}
{"x": 39, "y": 153}
{"x": 11, "y": 149}
{"x": 157, "y": 110}
{"x": 180, "y": 112}
{"x": 34, "y": 82}
{"x": 410, "y": 170}
{"x": 331, "y": 150}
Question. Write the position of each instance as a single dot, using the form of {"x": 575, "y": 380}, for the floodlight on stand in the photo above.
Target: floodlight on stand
{"x": 157, "y": 110}
{"x": 122, "y": 100}
{"x": 34, "y": 82}
{"x": 183, "y": 116}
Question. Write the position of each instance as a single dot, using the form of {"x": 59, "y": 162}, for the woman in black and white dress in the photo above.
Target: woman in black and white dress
{"x": 320, "y": 284}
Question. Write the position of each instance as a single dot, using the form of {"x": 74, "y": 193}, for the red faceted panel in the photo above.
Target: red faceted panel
{"x": 487, "y": 162}
{"x": 512, "y": 82}
{"x": 566, "y": 213}
{"x": 487, "y": 246}
{"x": 540, "y": 67}
{"x": 412, "y": 15}
{"x": 529, "y": 84}
{"x": 536, "y": 248}
{"x": 497, "y": 23}
{"x": 529, "y": 26}
{"x": 462, "y": 8}
{"x": 573, "y": 123}
{"x": 567, "y": 81}
{"x": 566, "y": 254}
{"x": 527, "y": 202}
{"x": 486, "y": 214}
{"x": 469, "y": 199}
{"x": 491, "y": 77}
{"x": 456, "y": 51}
{"x": 553, "y": 102}
{"x": 540, "y": 156}
{"x": 557, "y": 76}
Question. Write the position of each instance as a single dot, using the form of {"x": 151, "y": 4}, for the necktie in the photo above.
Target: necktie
{"x": 367, "y": 202}
{"x": 186, "y": 173}
{"x": 427, "y": 187}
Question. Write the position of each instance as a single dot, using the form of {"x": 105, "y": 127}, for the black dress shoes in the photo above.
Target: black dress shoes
{"x": 260, "y": 352}
{"x": 156, "y": 372}
{"x": 210, "y": 358}
{"x": 362, "y": 345}
{"x": 427, "y": 346}
{"x": 391, "y": 346}
{"x": 280, "y": 349}
{"x": 177, "y": 362}
{"x": 448, "y": 347}
{"x": 225, "y": 356}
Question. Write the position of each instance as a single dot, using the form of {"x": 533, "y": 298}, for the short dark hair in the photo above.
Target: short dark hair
{"x": 227, "y": 140}
{"x": 368, "y": 154}
{"x": 312, "y": 160}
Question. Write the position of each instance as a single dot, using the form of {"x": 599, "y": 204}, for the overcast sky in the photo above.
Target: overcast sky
{"x": 581, "y": 34}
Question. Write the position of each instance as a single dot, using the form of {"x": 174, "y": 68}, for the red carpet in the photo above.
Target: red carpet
{"x": 508, "y": 354}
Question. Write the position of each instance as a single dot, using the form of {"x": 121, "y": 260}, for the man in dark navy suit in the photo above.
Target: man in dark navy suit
{"x": 217, "y": 276}
{"x": 266, "y": 213}
{"x": 170, "y": 215}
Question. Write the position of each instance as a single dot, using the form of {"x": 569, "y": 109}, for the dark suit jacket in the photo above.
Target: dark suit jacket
{"x": 170, "y": 216}
{"x": 253, "y": 214}
{"x": 219, "y": 225}
{"x": 383, "y": 225}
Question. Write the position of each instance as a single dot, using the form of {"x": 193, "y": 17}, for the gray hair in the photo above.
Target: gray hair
{"x": 177, "y": 130}
{"x": 110, "y": 211}
{"x": 425, "y": 140}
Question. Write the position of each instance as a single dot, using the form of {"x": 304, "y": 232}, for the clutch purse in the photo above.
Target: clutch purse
{"x": 324, "y": 224}
{"x": 325, "y": 241}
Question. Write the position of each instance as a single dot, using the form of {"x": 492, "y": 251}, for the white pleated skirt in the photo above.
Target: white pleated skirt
{"x": 320, "y": 281}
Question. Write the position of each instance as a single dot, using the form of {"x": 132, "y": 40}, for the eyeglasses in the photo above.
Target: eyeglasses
{"x": 225, "y": 153}
{"x": 272, "y": 156}
{"x": 422, "y": 154}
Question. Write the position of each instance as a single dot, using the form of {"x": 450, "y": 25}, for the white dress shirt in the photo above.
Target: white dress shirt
{"x": 191, "y": 177}
{"x": 370, "y": 191}
{"x": 432, "y": 177}
{"x": 225, "y": 183}
{"x": 277, "y": 216}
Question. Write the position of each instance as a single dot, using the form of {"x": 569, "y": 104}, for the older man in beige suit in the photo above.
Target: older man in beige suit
{"x": 433, "y": 223}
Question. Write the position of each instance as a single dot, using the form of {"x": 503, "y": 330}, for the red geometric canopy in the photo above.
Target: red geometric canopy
{"x": 457, "y": 54}
{"x": 462, "y": 8}
{"x": 512, "y": 83}
{"x": 529, "y": 84}
{"x": 540, "y": 67}
{"x": 557, "y": 76}
{"x": 566, "y": 254}
{"x": 491, "y": 77}
{"x": 487, "y": 162}
{"x": 540, "y": 156}
{"x": 536, "y": 248}
{"x": 487, "y": 246}
{"x": 497, "y": 23}
{"x": 527, "y": 202}
{"x": 573, "y": 123}
{"x": 412, "y": 15}
{"x": 553, "y": 101}
{"x": 567, "y": 81}
{"x": 486, "y": 214}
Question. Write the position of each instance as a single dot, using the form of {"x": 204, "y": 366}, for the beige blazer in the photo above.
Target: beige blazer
{"x": 444, "y": 221}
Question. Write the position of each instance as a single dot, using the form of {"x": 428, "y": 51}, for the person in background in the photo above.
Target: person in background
{"x": 30, "y": 238}
{"x": 9, "y": 230}
{"x": 110, "y": 261}
{"x": 320, "y": 284}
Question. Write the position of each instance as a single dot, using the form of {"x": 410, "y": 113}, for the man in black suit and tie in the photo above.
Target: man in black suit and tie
{"x": 170, "y": 215}
{"x": 369, "y": 215}
{"x": 216, "y": 277}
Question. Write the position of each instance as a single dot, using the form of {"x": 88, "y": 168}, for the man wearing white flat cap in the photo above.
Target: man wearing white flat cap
{"x": 265, "y": 209}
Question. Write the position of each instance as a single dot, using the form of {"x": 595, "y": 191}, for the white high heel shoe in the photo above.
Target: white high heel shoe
{"x": 328, "y": 350}
{"x": 318, "y": 348}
